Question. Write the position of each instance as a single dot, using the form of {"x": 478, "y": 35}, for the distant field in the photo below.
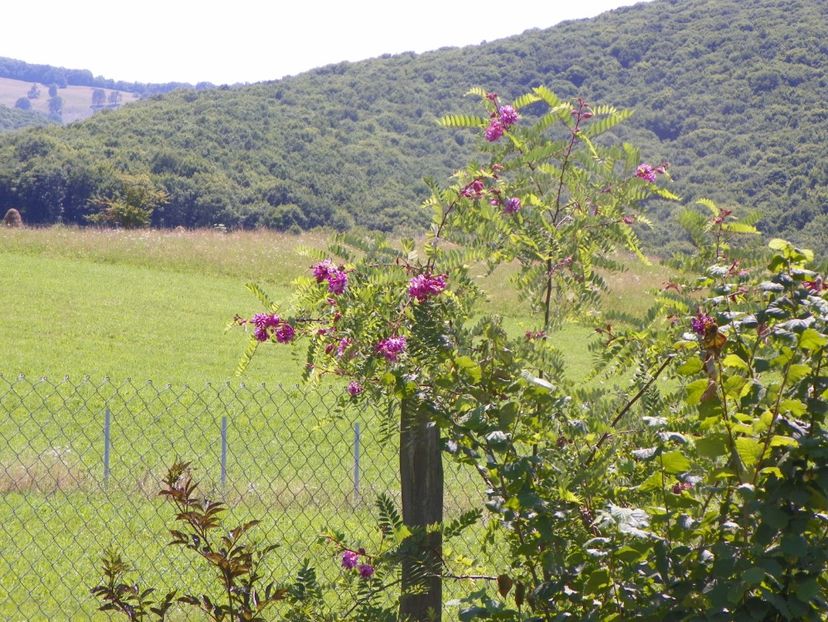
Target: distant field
{"x": 154, "y": 304}
{"x": 77, "y": 100}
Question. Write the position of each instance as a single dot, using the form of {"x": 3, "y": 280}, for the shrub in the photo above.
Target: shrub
{"x": 13, "y": 218}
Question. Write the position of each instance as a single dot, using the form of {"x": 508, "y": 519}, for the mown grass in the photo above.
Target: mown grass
{"x": 154, "y": 305}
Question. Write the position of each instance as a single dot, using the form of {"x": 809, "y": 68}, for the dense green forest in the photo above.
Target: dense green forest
{"x": 733, "y": 94}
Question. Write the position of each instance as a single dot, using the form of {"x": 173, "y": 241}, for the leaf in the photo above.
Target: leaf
{"x": 739, "y": 227}
{"x": 695, "y": 391}
{"x": 469, "y": 368}
{"x": 504, "y": 585}
{"x": 712, "y": 446}
{"x": 812, "y": 340}
{"x": 263, "y": 298}
{"x": 749, "y": 450}
{"x": 655, "y": 481}
{"x": 674, "y": 462}
{"x": 462, "y": 120}
{"x": 783, "y": 441}
{"x": 753, "y": 576}
{"x": 690, "y": 367}
{"x": 734, "y": 360}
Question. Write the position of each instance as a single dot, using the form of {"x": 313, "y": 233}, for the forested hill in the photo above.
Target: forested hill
{"x": 732, "y": 93}
{"x": 12, "y": 119}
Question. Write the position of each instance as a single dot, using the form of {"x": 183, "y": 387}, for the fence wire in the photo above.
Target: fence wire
{"x": 81, "y": 464}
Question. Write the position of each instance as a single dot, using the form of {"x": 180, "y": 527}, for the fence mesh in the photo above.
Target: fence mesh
{"x": 81, "y": 463}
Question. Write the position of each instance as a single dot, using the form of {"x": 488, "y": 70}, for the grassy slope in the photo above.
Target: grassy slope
{"x": 153, "y": 305}
{"x": 76, "y": 99}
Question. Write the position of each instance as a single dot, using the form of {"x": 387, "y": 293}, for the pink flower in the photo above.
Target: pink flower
{"x": 285, "y": 333}
{"x": 494, "y": 131}
{"x": 473, "y": 190}
{"x": 342, "y": 346}
{"x": 391, "y": 348}
{"x": 423, "y": 286}
{"x": 322, "y": 270}
{"x": 349, "y": 560}
{"x": 337, "y": 281}
{"x": 354, "y": 388}
{"x": 366, "y": 571}
{"x": 512, "y": 206}
{"x": 508, "y": 116}
{"x": 337, "y": 278}
{"x": 700, "y": 323}
{"x": 646, "y": 172}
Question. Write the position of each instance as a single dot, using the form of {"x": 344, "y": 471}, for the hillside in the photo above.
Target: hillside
{"x": 13, "y": 119}
{"x": 732, "y": 94}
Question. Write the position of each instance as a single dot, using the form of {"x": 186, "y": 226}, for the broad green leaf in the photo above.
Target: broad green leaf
{"x": 753, "y": 576}
{"x": 811, "y": 339}
{"x": 772, "y": 470}
{"x": 690, "y": 367}
{"x": 749, "y": 450}
{"x": 695, "y": 390}
{"x": 674, "y": 462}
{"x": 733, "y": 360}
{"x": 712, "y": 446}
{"x": 795, "y": 407}
{"x": 654, "y": 482}
{"x": 469, "y": 368}
{"x": 783, "y": 441}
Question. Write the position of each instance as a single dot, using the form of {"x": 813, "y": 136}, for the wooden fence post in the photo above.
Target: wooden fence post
{"x": 421, "y": 480}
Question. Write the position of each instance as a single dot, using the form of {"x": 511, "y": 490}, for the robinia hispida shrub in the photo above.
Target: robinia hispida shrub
{"x": 702, "y": 497}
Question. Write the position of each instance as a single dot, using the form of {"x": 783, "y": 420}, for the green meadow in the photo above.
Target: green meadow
{"x": 136, "y": 320}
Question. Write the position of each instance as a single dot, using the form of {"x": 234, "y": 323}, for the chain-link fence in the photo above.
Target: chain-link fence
{"x": 81, "y": 463}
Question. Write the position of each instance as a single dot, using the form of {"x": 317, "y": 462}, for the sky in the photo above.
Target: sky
{"x": 253, "y": 40}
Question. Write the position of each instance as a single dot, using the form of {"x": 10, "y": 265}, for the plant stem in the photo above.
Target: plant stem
{"x": 626, "y": 408}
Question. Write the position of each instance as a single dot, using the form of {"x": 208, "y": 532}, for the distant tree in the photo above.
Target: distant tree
{"x": 114, "y": 98}
{"x": 53, "y": 90}
{"x": 98, "y": 98}
{"x": 56, "y": 107}
{"x": 23, "y": 103}
{"x": 34, "y": 92}
{"x": 131, "y": 204}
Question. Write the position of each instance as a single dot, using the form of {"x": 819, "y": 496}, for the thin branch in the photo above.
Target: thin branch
{"x": 626, "y": 409}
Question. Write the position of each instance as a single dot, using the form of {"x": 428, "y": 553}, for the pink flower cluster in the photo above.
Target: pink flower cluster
{"x": 391, "y": 348}
{"x": 701, "y": 322}
{"x": 424, "y": 286}
{"x": 354, "y": 388}
{"x": 473, "y": 190}
{"x": 336, "y": 277}
{"x": 350, "y": 560}
{"x": 505, "y": 117}
{"x": 266, "y": 325}
{"x": 648, "y": 172}
{"x": 512, "y": 206}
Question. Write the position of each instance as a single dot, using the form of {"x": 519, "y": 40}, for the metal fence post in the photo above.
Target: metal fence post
{"x": 356, "y": 462}
{"x": 223, "y": 451}
{"x": 107, "y": 445}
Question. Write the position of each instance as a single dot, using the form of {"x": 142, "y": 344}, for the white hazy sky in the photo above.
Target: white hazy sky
{"x": 254, "y": 40}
